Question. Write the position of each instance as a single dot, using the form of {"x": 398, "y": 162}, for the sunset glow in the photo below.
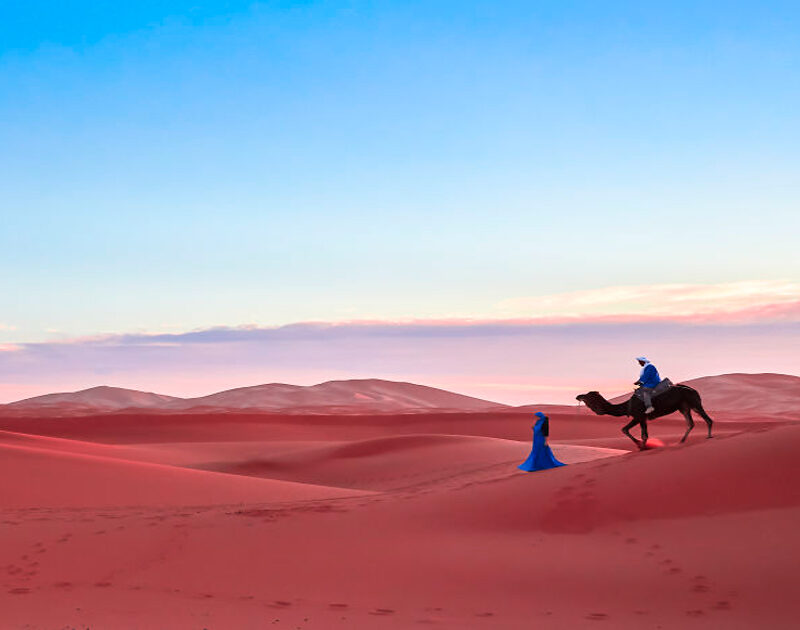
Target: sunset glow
{"x": 509, "y": 202}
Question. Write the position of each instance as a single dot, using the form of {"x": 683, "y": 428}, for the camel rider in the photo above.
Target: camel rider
{"x": 648, "y": 379}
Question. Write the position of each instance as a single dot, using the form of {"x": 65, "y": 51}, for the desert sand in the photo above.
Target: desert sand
{"x": 199, "y": 519}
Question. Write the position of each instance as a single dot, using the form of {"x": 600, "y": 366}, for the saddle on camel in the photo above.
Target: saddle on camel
{"x": 662, "y": 399}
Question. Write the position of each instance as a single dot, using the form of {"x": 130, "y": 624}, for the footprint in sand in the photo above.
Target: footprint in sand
{"x": 280, "y": 604}
{"x": 102, "y": 584}
{"x": 338, "y": 606}
{"x": 382, "y": 611}
{"x": 62, "y": 585}
{"x": 722, "y": 605}
{"x": 695, "y": 613}
{"x": 700, "y": 584}
{"x": 597, "y": 616}
{"x": 485, "y": 614}
{"x": 19, "y": 591}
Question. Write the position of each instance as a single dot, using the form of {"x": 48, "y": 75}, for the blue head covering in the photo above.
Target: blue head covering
{"x": 540, "y": 414}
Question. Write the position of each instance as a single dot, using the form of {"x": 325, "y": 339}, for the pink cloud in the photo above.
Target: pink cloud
{"x": 733, "y": 301}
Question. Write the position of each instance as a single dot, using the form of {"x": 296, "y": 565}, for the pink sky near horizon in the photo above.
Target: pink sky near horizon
{"x": 515, "y": 362}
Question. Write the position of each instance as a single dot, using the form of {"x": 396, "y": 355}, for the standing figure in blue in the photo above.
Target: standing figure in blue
{"x": 648, "y": 379}
{"x": 541, "y": 457}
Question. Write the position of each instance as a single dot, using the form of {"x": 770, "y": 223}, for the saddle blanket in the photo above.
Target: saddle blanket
{"x": 663, "y": 386}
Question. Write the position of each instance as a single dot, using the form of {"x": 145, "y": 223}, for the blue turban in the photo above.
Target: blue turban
{"x": 540, "y": 414}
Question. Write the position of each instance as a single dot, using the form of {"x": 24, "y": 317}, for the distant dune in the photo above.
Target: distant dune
{"x": 346, "y": 397}
{"x": 767, "y": 394}
{"x": 367, "y": 395}
{"x": 750, "y": 393}
{"x": 100, "y": 398}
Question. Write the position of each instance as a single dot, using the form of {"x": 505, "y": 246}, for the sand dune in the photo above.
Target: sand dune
{"x": 247, "y": 520}
{"x": 730, "y": 474}
{"x": 757, "y": 394}
{"x": 728, "y": 395}
{"x": 364, "y": 396}
{"x": 349, "y": 397}
{"x": 47, "y": 477}
{"x": 100, "y": 398}
{"x": 394, "y": 462}
{"x": 380, "y": 463}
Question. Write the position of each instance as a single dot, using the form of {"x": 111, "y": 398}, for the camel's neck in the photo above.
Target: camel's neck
{"x": 608, "y": 409}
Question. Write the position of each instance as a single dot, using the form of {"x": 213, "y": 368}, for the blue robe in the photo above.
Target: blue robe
{"x": 649, "y": 376}
{"x": 541, "y": 457}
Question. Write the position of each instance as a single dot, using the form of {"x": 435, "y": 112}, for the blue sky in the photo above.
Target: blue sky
{"x": 171, "y": 166}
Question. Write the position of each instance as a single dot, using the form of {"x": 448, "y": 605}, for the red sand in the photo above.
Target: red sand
{"x": 253, "y": 520}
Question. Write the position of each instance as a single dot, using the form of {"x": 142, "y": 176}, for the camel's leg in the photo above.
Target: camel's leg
{"x": 687, "y": 413}
{"x": 699, "y": 409}
{"x": 627, "y": 431}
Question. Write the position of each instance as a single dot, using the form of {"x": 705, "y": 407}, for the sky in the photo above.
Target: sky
{"x": 505, "y": 199}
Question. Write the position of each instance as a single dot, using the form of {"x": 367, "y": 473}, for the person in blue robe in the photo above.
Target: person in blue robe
{"x": 541, "y": 457}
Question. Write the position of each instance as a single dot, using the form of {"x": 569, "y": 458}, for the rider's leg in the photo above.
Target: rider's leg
{"x": 647, "y": 397}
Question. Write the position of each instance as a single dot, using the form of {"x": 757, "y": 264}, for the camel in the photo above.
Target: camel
{"x": 677, "y": 398}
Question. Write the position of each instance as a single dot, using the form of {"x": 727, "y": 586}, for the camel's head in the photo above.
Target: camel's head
{"x": 593, "y": 400}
